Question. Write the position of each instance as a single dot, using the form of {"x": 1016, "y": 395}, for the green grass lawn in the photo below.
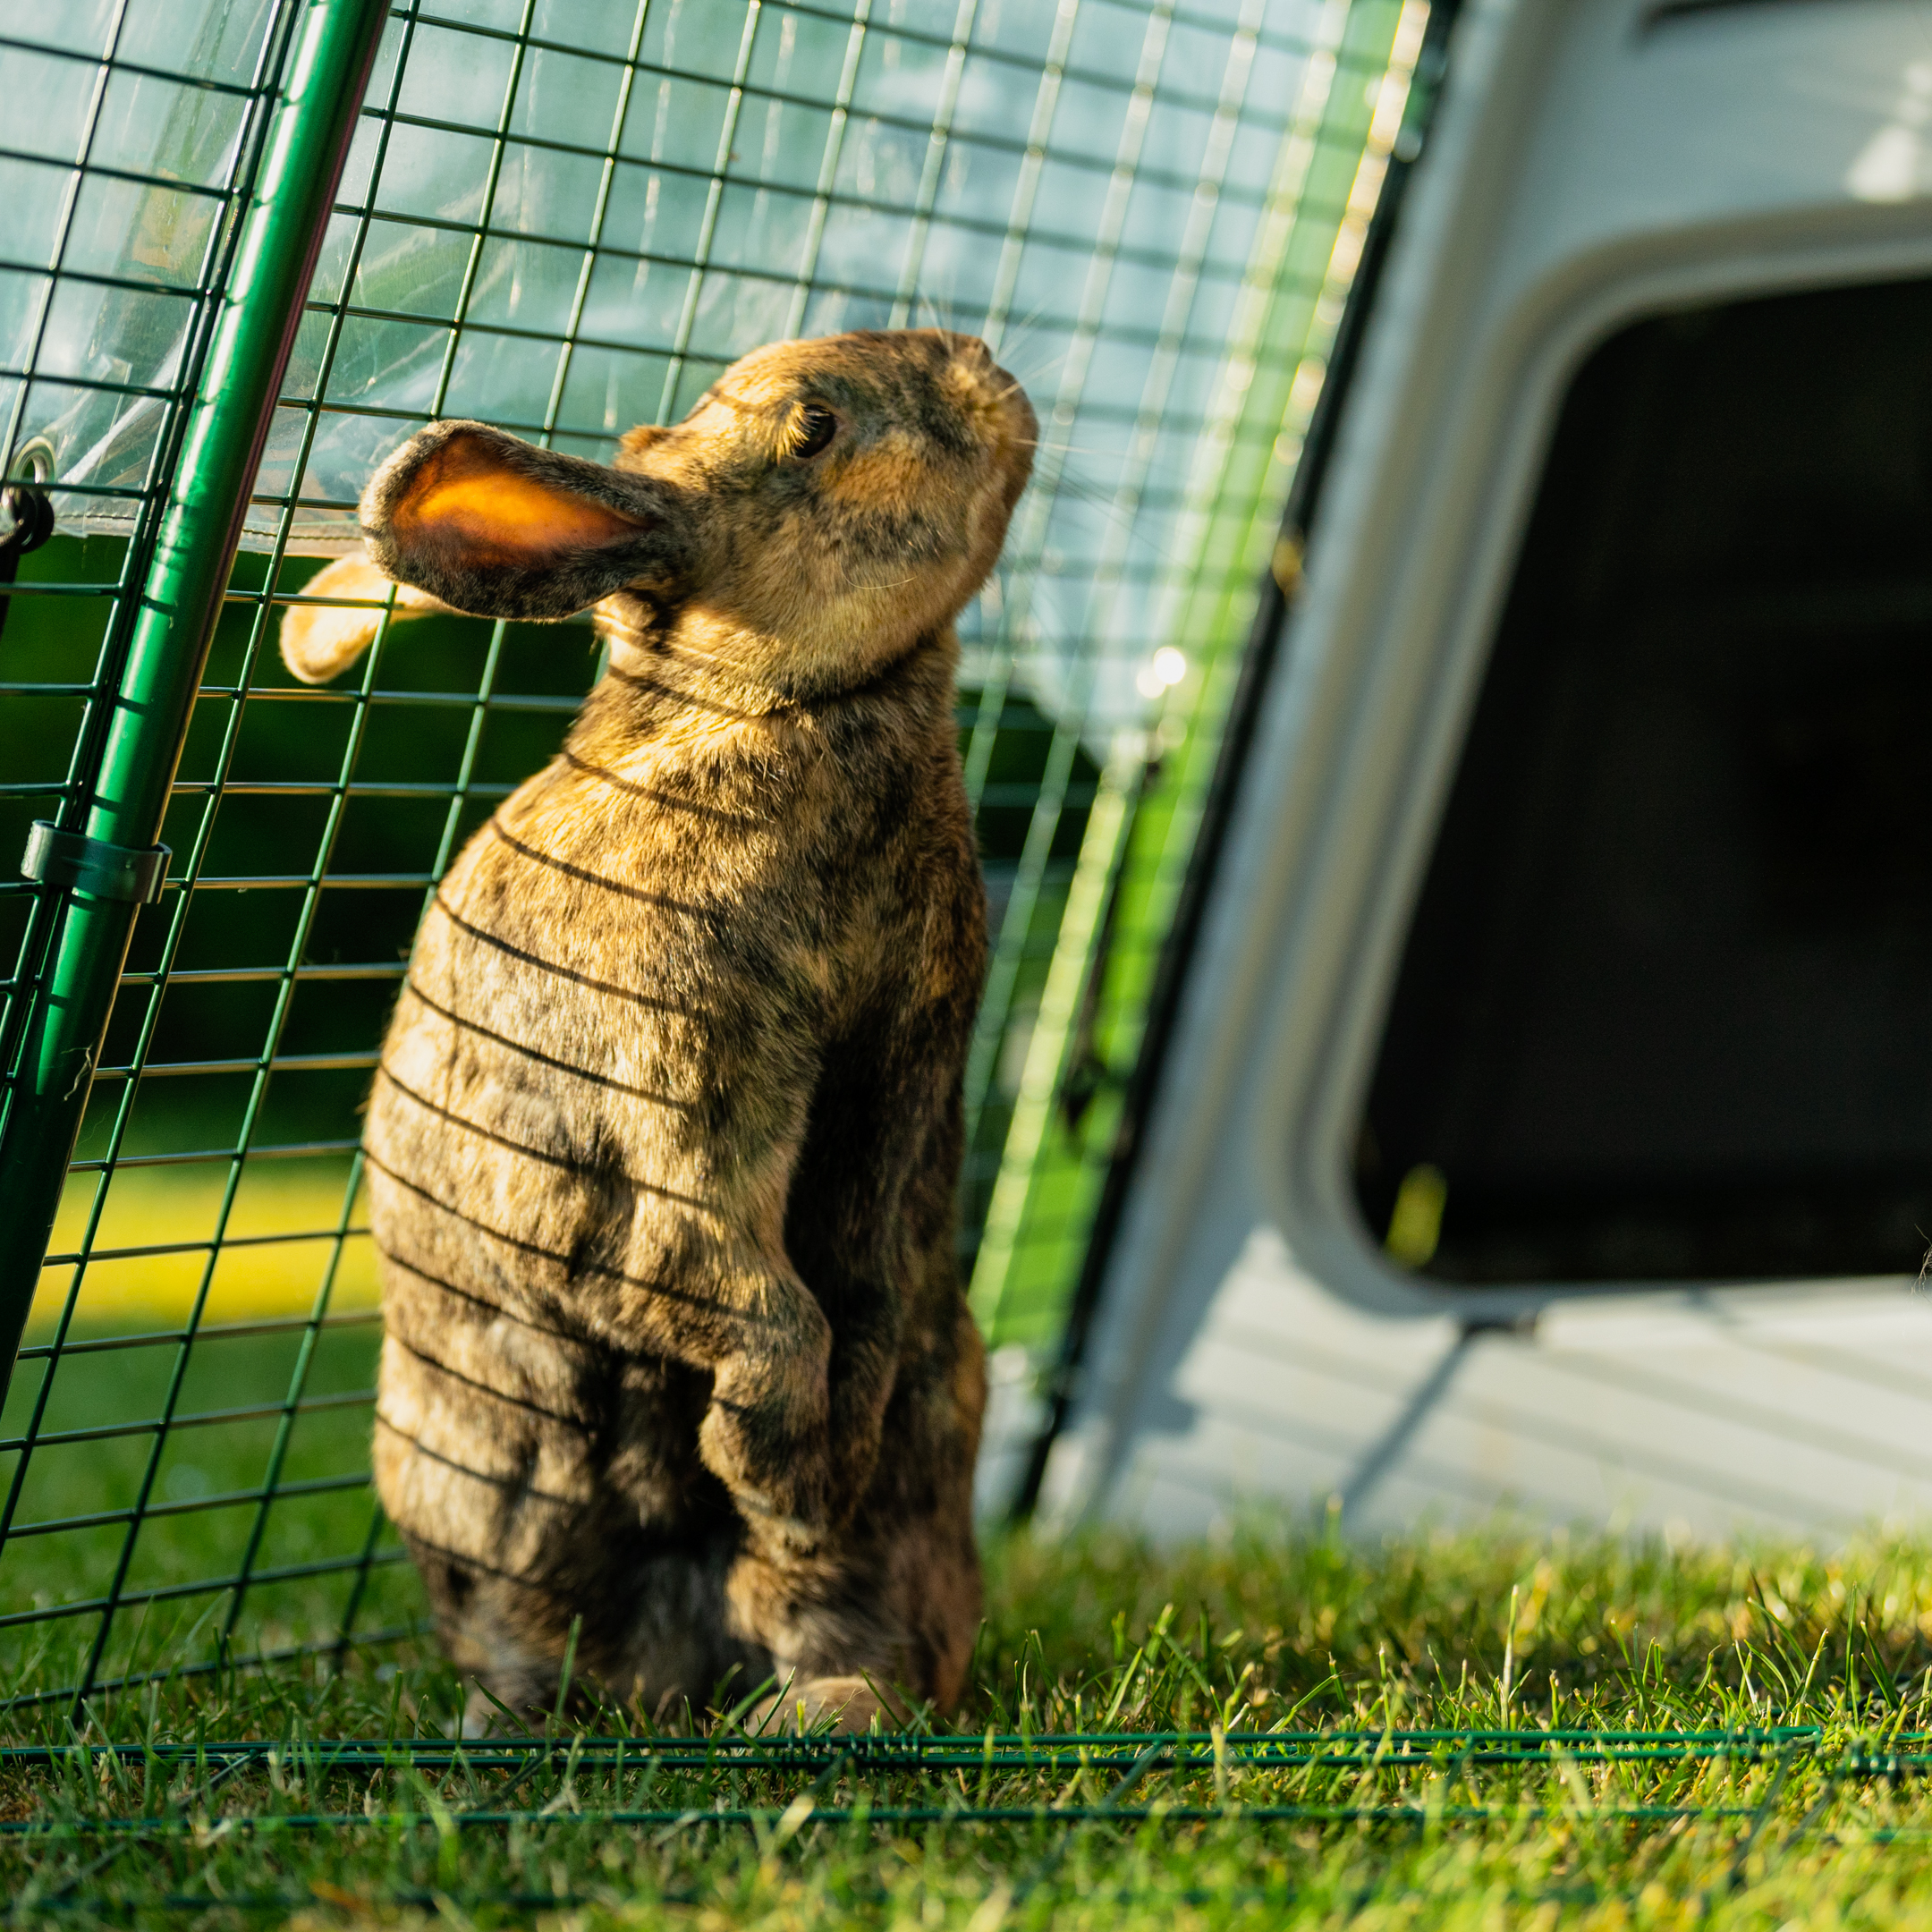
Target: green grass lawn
{"x": 239, "y": 1486}
{"x": 1289, "y": 1633}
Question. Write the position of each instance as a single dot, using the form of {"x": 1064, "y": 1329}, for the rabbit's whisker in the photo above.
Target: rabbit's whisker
{"x": 936, "y": 319}
{"x": 1024, "y": 326}
{"x": 1032, "y": 375}
{"x": 858, "y": 583}
{"x": 1046, "y": 448}
{"x": 1111, "y": 497}
{"x": 1016, "y": 343}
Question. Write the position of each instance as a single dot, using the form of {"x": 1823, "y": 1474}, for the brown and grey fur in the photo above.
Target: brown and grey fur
{"x": 666, "y": 1136}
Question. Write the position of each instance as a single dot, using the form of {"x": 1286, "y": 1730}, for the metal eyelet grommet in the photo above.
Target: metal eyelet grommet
{"x": 31, "y": 513}
{"x": 28, "y": 511}
{"x": 23, "y": 497}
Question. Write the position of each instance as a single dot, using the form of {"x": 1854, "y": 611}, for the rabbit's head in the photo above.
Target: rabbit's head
{"x": 825, "y": 505}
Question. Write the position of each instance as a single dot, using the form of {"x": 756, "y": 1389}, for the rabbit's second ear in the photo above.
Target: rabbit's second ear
{"x": 494, "y": 526}
{"x": 320, "y": 640}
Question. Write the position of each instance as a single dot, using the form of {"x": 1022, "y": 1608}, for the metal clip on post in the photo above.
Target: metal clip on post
{"x": 29, "y": 512}
{"x": 55, "y": 857}
{"x": 90, "y": 864}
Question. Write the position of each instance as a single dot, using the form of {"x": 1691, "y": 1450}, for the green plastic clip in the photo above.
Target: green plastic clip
{"x": 90, "y": 864}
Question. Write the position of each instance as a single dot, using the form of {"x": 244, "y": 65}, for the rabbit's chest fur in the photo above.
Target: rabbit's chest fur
{"x": 669, "y": 954}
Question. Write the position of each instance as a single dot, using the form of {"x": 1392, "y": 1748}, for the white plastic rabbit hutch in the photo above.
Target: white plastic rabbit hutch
{"x": 1547, "y": 1120}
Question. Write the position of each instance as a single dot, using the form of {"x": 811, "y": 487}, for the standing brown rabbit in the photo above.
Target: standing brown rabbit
{"x": 664, "y": 1144}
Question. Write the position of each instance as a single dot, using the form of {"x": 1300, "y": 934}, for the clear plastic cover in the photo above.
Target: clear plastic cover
{"x": 111, "y": 183}
{"x": 575, "y": 233}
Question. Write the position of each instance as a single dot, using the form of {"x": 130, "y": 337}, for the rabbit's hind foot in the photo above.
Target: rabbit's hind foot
{"x": 489, "y": 1713}
{"x": 848, "y": 1706}
{"x": 519, "y": 1694}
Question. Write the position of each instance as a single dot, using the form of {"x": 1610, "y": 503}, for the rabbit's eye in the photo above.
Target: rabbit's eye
{"x": 813, "y": 430}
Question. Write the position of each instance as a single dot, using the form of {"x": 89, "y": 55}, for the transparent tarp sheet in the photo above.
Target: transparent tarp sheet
{"x": 570, "y": 238}
{"x": 100, "y": 263}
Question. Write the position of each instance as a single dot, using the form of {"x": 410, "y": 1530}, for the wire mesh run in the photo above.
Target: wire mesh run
{"x": 731, "y": 1783}
{"x": 112, "y": 1831}
{"x": 566, "y": 220}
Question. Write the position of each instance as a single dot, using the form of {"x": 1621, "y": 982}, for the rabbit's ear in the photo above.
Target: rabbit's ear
{"x": 489, "y": 524}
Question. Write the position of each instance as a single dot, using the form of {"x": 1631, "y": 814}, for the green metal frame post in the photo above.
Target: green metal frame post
{"x": 308, "y": 145}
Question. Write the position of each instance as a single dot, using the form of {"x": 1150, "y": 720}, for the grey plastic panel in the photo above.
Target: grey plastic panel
{"x": 1592, "y": 163}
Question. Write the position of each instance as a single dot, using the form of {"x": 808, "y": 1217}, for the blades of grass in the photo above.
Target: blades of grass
{"x": 564, "y": 1682}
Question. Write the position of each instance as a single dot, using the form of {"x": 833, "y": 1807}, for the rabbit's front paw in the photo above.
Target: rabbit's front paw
{"x": 776, "y": 1473}
{"x": 764, "y": 1436}
{"x": 786, "y": 1518}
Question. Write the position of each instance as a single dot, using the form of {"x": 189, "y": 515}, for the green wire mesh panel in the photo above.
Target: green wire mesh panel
{"x": 566, "y": 218}
{"x": 132, "y": 141}
{"x": 1067, "y": 1022}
